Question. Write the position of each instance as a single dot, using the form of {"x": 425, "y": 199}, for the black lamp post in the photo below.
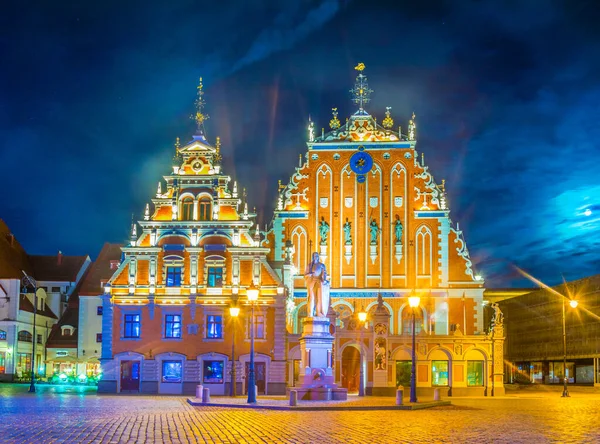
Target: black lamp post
{"x": 573, "y": 303}
{"x": 252, "y": 294}
{"x": 234, "y": 311}
{"x": 29, "y": 281}
{"x": 414, "y": 302}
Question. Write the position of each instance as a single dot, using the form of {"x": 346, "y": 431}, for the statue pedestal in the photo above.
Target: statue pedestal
{"x": 317, "y": 381}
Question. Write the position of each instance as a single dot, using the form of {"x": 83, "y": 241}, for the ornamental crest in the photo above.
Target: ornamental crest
{"x": 397, "y": 201}
{"x": 373, "y": 201}
{"x": 323, "y": 202}
{"x": 380, "y": 329}
{"x": 348, "y": 202}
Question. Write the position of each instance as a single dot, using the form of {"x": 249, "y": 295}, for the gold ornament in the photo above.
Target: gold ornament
{"x": 334, "y": 123}
{"x": 388, "y": 122}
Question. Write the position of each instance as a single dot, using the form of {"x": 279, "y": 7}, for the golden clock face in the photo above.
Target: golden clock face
{"x": 196, "y": 165}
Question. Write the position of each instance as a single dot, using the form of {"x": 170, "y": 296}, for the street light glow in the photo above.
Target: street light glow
{"x": 234, "y": 311}
{"x": 252, "y": 293}
{"x": 573, "y": 303}
{"x": 414, "y": 301}
{"x": 362, "y": 316}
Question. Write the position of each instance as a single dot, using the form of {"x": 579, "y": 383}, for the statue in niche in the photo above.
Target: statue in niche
{"x": 317, "y": 287}
{"x": 398, "y": 230}
{"x": 374, "y": 230}
{"x": 347, "y": 232}
{"x": 323, "y": 231}
{"x": 380, "y": 359}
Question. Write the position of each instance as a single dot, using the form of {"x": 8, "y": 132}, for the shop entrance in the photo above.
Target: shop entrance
{"x": 351, "y": 369}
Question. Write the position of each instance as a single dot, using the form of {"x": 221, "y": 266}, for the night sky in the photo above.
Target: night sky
{"x": 507, "y": 98}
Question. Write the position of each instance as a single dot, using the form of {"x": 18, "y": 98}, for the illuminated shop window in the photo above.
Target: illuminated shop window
{"x": 213, "y": 372}
{"x": 214, "y": 327}
{"x": 173, "y": 276}
{"x": 23, "y": 362}
{"x": 2, "y": 363}
{"x": 172, "y": 371}
{"x": 131, "y": 326}
{"x": 475, "y": 373}
{"x": 439, "y": 373}
{"x": 173, "y": 326}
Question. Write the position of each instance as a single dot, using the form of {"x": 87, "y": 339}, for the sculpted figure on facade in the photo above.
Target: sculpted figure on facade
{"x": 374, "y": 231}
{"x": 317, "y": 287}
{"x": 498, "y": 319}
{"x": 398, "y": 229}
{"x": 348, "y": 232}
{"x": 323, "y": 231}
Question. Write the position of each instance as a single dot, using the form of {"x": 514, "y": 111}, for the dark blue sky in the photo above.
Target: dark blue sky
{"x": 507, "y": 96}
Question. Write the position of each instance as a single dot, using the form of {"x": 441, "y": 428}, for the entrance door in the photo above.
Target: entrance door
{"x": 403, "y": 371}
{"x": 130, "y": 376}
{"x": 351, "y": 369}
{"x": 260, "y": 372}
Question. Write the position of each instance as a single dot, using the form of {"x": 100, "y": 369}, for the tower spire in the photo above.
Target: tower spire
{"x": 361, "y": 91}
{"x": 200, "y": 116}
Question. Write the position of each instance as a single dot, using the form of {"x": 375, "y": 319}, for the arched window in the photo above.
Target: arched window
{"x": 204, "y": 209}
{"x": 407, "y": 320}
{"x": 25, "y": 336}
{"x": 187, "y": 209}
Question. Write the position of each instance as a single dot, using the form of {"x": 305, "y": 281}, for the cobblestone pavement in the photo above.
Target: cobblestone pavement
{"x": 73, "y": 416}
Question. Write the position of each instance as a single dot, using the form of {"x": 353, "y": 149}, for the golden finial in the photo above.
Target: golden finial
{"x": 218, "y": 144}
{"x": 199, "y": 116}
{"x": 334, "y": 123}
{"x": 388, "y": 122}
{"x": 443, "y": 187}
{"x": 177, "y": 144}
{"x": 361, "y": 91}
{"x": 360, "y": 66}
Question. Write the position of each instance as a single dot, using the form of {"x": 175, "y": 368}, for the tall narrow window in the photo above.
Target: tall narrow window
{"x": 2, "y": 335}
{"x": 407, "y": 320}
{"x": 259, "y": 326}
{"x": 204, "y": 209}
{"x": 187, "y": 209}
{"x": 173, "y": 326}
{"x": 215, "y": 276}
{"x": 474, "y": 373}
{"x": 173, "y": 276}
{"x": 131, "y": 326}
{"x": 214, "y": 327}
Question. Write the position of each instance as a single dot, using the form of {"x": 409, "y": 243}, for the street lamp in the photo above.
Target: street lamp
{"x": 414, "y": 302}
{"x": 252, "y": 293}
{"x": 28, "y": 280}
{"x": 573, "y": 303}
{"x": 234, "y": 311}
{"x": 362, "y": 317}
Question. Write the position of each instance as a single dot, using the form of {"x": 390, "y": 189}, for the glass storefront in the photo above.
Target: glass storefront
{"x": 172, "y": 371}
{"x": 439, "y": 373}
{"x": 475, "y": 373}
{"x": 213, "y": 372}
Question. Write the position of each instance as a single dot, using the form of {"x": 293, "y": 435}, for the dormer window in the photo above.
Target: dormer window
{"x": 187, "y": 209}
{"x": 66, "y": 330}
{"x": 204, "y": 209}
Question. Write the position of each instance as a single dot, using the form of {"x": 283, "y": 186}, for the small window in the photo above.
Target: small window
{"x": 39, "y": 339}
{"x": 259, "y": 326}
{"x": 55, "y": 289}
{"x": 99, "y": 310}
{"x": 214, "y": 327}
{"x": 439, "y": 373}
{"x": 173, "y": 326}
{"x": 187, "y": 209}
{"x": 67, "y": 332}
{"x": 475, "y": 373}
{"x": 98, "y": 337}
{"x": 25, "y": 336}
{"x": 171, "y": 371}
{"x": 132, "y": 326}
{"x": 213, "y": 372}
{"x": 173, "y": 276}
{"x": 215, "y": 276}
{"x": 204, "y": 209}
{"x": 2, "y": 335}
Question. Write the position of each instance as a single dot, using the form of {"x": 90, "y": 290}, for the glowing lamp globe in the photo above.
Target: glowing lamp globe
{"x": 573, "y": 303}
{"x": 414, "y": 301}
{"x": 234, "y": 311}
{"x": 252, "y": 293}
{"x": 362, "y": 316}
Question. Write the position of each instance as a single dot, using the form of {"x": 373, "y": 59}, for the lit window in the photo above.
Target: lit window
{"x": 439, "y": 373}
{"x": 259, "y": 326}
{"x": 2, "y": 335}
{"x": 213, "y": 372}
{"x": 214, "y": 327}
{"x": 98, "y": 337}
{"x": 171, "y": 371}
{"x": 173, "y": 276}
{"x": 2, "y": 362}
{"x": 25, "y": 336}
{"x": 187, "y": 209}
{"x": 475, "y": 373}
{"x": 173, "y": 326}
{"x": 407, "y": 321}
{"x": 131, "y": 326}
{"x": 23, "y": 362}
{"x": 204, "y": 209}
{"x": 99, "y": 310}
{"x": 215, "y": 276}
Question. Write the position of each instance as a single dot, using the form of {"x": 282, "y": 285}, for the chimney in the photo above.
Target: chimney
{"x": 59, "y": 257}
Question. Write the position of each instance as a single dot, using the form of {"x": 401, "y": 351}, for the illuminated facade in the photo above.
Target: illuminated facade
{"x": 364, "y": 198}
{"x": 166, "y": 324}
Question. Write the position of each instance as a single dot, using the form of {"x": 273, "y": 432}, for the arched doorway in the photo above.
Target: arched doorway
{"x": 351, "y": 369}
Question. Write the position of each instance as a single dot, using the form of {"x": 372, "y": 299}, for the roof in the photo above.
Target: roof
{"x": 26, "y": 305}
{"x": 13, "y": 257}
{"x": 100, "y": 270}
{"x": 57, "y": 268}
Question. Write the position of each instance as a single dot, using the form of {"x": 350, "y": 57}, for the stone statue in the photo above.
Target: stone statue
{"x": 498, "y": 318}
{"x": 398, "y": 229}
{"x": 323, "y": 231}
{"x": 347, "y": 232}
{"x": 317, "y": 287}
{"x": 374, "y": 230}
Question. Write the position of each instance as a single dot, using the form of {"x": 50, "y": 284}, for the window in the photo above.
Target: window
{"x": 171, "y": 371}
{"x": 259, "y": 326}
{"x": 215, "y": 276}
{"x": 2, "y": 363}
{"x": 23, "y": 362}
{"x": 39, "y": 339}
{"x": 25, "y": 336}
{"x": 214, "y": 327}
{"x": 99, "y": 310}
{"x": 213, "y": 372}
{"x": 132, "y": 326}
{"x": 98, "y": 337}
{"x": 2, "y": 335}
{"x": 44, "y": 288}
{"x": 67, "y": 332}
{"x": 439, "y": 373}
{"x": 55, "y": 289}
{"x": 204, "y": 209}
{"x": 173, "y": 326}
{"x": 407, "y": 321}
{"x": 475, "y": 373}
{"x": 187, "y": 209}
{"x": 173, "y": 276}
{"x": 403, "y": 372}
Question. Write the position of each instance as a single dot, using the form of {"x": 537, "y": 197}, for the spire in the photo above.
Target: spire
{"x": 177, "y": 159}
{"x": 334, "y": 123}
{"x": 200, "y": 116}
{"x": 361, "y": 90}
{"x": 412, "y": 128}
{"x": 147, "y": 212}
{"x": 388, "y": 122}
{"x": 311, "y": 130}
{"x": 217, "y": 157}
{"x": 133, "y": 231}
{"x": 159, "y": 189}
{"x": 235, "y": 191}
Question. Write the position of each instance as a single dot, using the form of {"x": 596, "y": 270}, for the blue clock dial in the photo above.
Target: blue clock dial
{"x": 361, "y": 162}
